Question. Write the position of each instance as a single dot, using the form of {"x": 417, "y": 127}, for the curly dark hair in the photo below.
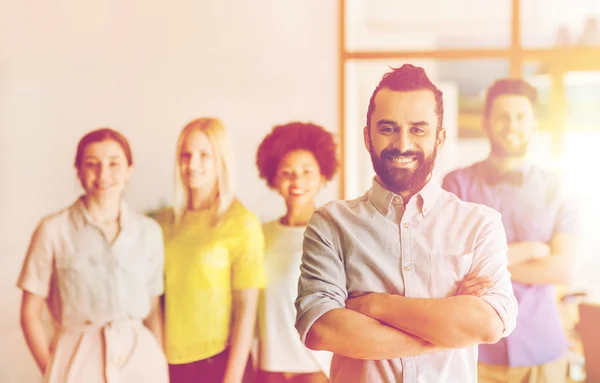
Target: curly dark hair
{"x": 296, "y": 136}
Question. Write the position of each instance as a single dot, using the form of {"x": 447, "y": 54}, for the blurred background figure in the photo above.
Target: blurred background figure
{"x": 590, "y": 35}
{"x": 296, "y": 160}
{"x": 541, "y": 225}
{"x": 98, "y": 265}
{"x": 213, "y": 262}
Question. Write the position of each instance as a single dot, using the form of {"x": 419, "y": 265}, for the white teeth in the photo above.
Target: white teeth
{"x": 402, "y": 160}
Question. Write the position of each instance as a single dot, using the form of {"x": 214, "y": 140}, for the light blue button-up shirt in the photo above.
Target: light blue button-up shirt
{"x": 421, "y": 250}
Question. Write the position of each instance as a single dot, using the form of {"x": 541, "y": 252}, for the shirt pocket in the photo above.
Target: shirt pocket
{"x": 131, "y": 282}
{"x": 75, "y": 280}
{"x": 446, "y": 271}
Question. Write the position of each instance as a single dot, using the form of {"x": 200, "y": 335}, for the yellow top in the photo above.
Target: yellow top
{"x": 203, "y": 263}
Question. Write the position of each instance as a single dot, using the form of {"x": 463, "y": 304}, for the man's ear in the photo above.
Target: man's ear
{"x": 440, "y": 138}
{"x": 367, "y": 138}
{"x": 486, "y": 126}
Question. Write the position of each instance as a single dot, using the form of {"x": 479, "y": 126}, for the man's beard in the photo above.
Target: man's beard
{"x": 401, "y": 180}
{"x": 500, "y": 150}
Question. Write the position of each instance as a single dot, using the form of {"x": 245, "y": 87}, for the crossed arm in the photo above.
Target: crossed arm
{"x": 383, "y": 335}
{"x": 383, "y": 326}
{"x": 538, "y": 263}
{"x": 352, "y": 334}
{"x": 454, "y": 322}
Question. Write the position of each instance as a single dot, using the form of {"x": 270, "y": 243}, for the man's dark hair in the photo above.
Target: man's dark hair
{"x": 509, "y": 86}
{"x": 404, "y": 79}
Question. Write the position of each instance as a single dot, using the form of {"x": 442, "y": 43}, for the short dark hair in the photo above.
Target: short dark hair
{"x": 404, "y": 79}
{"x": 508, "y": 86}
{"x": 103, "y": 134}
{"x": 296, "y": 136}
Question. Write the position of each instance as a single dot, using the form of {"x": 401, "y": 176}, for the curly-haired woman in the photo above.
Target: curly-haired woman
{"x": 295, "y": 159}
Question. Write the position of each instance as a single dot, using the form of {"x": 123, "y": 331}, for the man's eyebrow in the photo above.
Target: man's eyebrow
{"x": 386, "y": 122}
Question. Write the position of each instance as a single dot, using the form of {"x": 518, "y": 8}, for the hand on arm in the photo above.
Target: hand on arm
{"x": 33, "y": 329}
{"x": 555, "y": 268}
{"x": 474, "y": 285}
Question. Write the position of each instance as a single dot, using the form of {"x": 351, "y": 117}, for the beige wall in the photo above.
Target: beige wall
{"x": 145, "y": 68}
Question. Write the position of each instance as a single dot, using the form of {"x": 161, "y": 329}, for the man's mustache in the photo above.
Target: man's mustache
{"x": 387, "y": 153}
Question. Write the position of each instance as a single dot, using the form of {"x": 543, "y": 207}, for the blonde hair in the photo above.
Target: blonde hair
{"x": 223, "y": 155}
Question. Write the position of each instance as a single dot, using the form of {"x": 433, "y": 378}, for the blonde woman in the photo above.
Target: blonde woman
{"x": 98, "y": 266}
{"x": 295, "y": 159}
{"x": 214, "y": 262}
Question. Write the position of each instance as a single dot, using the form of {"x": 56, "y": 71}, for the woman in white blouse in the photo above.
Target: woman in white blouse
{"x": 296, "y": 160}
{"x": 98, "y": 266}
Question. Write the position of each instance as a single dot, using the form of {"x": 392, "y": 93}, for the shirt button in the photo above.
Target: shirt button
{"x": 406, "y": 268}
{"x": 425, "y": 210}
{"x": 405, "y": 225}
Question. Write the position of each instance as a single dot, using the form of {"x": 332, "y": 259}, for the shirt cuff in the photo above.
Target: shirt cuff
{"x": 508, "y": 320}
{"x": 33, "y": 286}
{"x": 156, "y": 290}
{"x": 311, "y": 315}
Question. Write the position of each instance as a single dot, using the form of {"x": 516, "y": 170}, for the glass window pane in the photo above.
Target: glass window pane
{"x": 427, "y": 24}
{"x": 581, "y": 101}
{"x": 577, "y": 140}
{"x": 552, "y": 23}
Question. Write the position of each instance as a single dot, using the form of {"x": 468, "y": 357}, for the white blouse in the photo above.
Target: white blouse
{"x": 280, "y": 347}
{"x": 97, "y": 292}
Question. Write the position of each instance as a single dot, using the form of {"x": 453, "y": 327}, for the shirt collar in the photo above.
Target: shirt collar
{"x": 493, "y": 176}
{"x": 383, "y": 199}
{"x": 82, "y": 217}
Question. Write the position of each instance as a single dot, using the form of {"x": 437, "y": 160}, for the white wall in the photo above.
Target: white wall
{"x": 145, "y": 68}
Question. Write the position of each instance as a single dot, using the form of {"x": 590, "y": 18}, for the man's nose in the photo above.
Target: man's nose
{"x": 403, "y": 141}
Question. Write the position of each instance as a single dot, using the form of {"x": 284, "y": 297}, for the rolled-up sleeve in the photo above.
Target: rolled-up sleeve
{"x": 567, "y": 219}
{"x": 490, "y": 259}
{"x": 38, "y": 266}
{"x": 322, "y": 283}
